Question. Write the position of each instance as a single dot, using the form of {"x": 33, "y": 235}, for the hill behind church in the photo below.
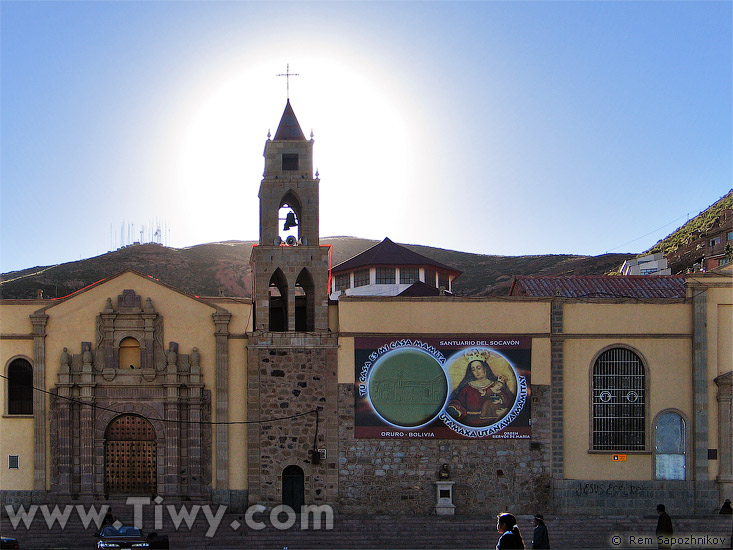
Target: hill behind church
{"x": 223, "y": 268}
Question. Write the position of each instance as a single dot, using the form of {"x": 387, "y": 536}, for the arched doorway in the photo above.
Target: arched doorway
{"x": 129, "y": 456}
{"x": 293, "y": 488}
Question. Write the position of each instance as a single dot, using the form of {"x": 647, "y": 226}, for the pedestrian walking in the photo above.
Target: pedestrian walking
{"x": 510, "y": 536}
{"x": 540, "y": 537}
{"x": 664, "y": 528}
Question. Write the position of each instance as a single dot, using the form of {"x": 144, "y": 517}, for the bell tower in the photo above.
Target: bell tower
{"x": 289, "y": 266}
{"x": 292, "y": 358}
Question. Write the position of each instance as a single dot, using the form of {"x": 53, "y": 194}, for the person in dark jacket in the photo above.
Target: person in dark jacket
{"x": 664, "y": 527}
{"x": 506, "y": 525}
{"x": 540, "y": 538}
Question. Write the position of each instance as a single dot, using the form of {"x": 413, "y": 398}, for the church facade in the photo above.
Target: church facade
{"x": 568, "y": 396}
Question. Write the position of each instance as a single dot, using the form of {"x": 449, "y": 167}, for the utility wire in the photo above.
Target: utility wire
{"x": 228, "y": 423}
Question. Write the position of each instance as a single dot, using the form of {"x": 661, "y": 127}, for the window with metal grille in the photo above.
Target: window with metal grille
{"x": 385, "y": 275}
{"x": 430, "y": 277}
{"x": 618, "y": 401}
{"x": 443, "y": 281}
{"x": 361, "y": 277}
{"x": 20, "y": 387}
{"x": 342, "y": 281}
{"x": 409, "y": 275}
{"x": 13, "y": 462}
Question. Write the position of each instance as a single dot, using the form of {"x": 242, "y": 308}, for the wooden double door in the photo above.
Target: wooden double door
{"x": 130, "y": 456}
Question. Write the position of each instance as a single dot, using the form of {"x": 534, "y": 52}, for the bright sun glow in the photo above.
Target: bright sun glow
{"x": 362, "y": 147}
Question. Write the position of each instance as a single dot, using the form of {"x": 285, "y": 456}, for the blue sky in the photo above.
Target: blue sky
{"x": 502, "y": 127}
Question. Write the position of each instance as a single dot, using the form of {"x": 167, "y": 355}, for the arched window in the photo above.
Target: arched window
{"x": 670, "y": 443}
{"x": 619, "y": 398}
{"x": 129, "y": 354}
{"x": 20, "y": 387}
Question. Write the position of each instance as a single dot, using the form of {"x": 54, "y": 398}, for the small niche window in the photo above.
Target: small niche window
{"x": 409, "y": 275}
{"x": 361, "y": 277}
{"x": 342, "y": 281}
{"x": 290, "y": 161}
{"x": 129, "y": 354}
{"x": 13, "y": 462}
{"x": 385, "y": 275}
{"x": 670, "y": 446}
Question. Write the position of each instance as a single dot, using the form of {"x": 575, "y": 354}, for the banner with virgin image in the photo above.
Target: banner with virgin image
{"x": 474, "y": 387}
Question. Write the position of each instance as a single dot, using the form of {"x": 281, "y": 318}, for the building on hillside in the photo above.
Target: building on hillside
{"x": 719, "y": 242}
{"x": 589, "y": 395}
{"x": 651, "y": 264}
{"x": 389, "y": 269}
{"x": 707, "y": 247}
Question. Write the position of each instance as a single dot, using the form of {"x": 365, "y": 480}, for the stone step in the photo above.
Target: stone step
{"x": 361, "y": 532}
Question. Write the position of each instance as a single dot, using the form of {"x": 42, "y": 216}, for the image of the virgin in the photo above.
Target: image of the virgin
{"x": 484, "y": 394}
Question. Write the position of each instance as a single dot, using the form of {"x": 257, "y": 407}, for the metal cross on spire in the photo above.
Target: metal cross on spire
{"x": 287, "y": 74}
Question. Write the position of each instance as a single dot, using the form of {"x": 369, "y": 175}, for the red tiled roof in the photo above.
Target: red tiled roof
{"x": 289, "y": 128}
{"x": 388, "y": 253}
{"x": 600, "y": 286}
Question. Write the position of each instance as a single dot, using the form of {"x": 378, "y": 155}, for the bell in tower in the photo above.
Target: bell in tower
{"x": 289, "y": 267}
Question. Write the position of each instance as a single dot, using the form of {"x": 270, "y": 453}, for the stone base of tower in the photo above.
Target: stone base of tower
{"x": 292, "y": 398}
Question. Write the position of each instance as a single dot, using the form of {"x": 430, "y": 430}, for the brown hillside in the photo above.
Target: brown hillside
{"x": 208, "y": 269}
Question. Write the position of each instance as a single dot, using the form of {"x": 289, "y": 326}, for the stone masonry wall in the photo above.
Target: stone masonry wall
{"x": 396, "y": 475}
{"x": 292, "y": 381}
{"x": 620, "y": 497}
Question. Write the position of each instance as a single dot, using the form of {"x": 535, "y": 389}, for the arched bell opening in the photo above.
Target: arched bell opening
{"x": 278, "y": 295}
{"x": 289, "y": 221}
{"x": 305, "y": 303}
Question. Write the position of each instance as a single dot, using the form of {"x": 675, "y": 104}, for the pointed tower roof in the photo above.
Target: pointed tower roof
{"x": 289, "y": 128}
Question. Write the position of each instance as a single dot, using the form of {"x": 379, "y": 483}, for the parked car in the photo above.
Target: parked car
{"x": 7, "y": 542}
{"x": 129, "y": 536}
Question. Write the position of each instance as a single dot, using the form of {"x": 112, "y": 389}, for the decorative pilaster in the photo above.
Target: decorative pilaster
{"x": 700, "y": 386}
{"x": 221, "y": 320}
{"x": 194, "y": 428}
{"x": 86, "y": 421}
{"x": 39, "y": 321}
{"x": 725, "y": 434}
{"x": 556, "y": 389}
{"x": 172, "y": 428}
{"x": 64, "y": 425}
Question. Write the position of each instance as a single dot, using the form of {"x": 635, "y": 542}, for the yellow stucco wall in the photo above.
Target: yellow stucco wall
{"x": 15, "y": 431}
{"x": 628, "y": 318}
{"x": 14, "y": 316}
{"x": 16, "y": 439}
{"x": 442, "y": 316}
{"x": 667, "y": 361}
